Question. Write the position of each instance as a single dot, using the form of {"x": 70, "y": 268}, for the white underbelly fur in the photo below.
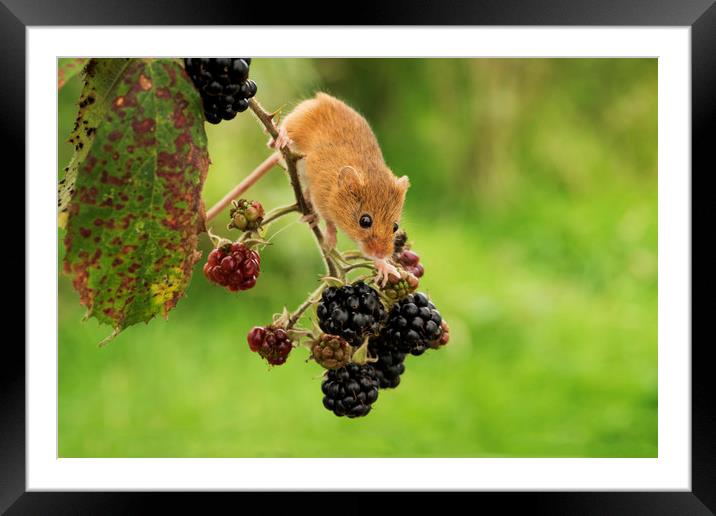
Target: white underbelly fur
{"x": 301, "y": 169}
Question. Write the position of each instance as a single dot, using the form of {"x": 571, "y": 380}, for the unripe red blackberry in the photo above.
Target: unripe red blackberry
{"x": 224, "y": 85}
{"x": 246, "y": 215}
{"x": 331, "y": 351}
{"x": 350, "y": 391}
{"x": 404, "y": 256}
{"x": 410, "y": 261}
{"x": 233, "y": 266}
{"x": 390, "y": 364}
{"x": 273, "y": 344}
{"x": 351, "y": 311}
{"x": 413, "y": 324}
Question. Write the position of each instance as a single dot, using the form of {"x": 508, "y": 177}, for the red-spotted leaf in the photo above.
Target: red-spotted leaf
{"x": 101, "y": 78}
{"x": 67, "y": 68}
{"x": 136, "y": 209}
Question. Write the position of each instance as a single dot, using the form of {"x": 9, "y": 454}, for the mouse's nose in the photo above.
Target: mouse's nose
{"x": 378, "y": 249}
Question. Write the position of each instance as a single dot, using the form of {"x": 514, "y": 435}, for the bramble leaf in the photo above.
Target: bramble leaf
{"x": 136, "y": 210}
{"x": 101, "y": 77}
{"x": 67, "y": 68}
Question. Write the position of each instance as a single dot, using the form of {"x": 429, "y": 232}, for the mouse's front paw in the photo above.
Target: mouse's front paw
{"x": 384, "y": 270}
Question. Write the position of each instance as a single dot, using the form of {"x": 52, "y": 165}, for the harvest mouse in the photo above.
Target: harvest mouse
{"x": 344, "y": 176}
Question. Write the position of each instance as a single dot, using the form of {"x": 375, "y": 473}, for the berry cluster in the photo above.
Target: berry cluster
{"x": 271, "y": 343}
{"x": 246, "y": 215}
{"x": 413, "y": 325}
{"x": 331, "y": 351}
{"x": 224, "y": 85}
{"x": 351, "y": 390}
{"x": 233, "y": 266}
{"x": 351, "y": 311}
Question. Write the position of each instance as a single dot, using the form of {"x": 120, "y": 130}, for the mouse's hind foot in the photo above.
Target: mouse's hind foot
{"x": 330, "y": 238}
{"x": 281, "y": 140}
{"x": 311, "y": 219}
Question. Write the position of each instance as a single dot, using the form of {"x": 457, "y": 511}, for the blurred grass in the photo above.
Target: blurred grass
{"x": 533, "y": 206}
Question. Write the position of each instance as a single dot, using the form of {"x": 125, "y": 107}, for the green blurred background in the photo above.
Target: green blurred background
{"x": 533, "y": 207}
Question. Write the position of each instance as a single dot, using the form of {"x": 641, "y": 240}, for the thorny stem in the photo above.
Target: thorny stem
{"x": 352, "y": 255}
{"x": 244, "y": 185}
{"x": 362, "y": 265}
{"x": 365, "y": 277}
{"x": 278, "y": 212}
{"x": 291, "y": 158}
{"x": 349, "y": 261}
{"x": 313, "y": 298}
{"x": 216, "y": 240}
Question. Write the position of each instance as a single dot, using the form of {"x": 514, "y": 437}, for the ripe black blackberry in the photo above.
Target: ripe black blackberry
{"x": 351, "y": 390}
{"x": 224, "y": 85}
{"x": 351, "y": 311}
{"x": 413, "y": 324}
{"x": 390, "y": 364}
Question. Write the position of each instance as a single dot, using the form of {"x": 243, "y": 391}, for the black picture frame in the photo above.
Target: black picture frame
{"x": 700, "y": 15}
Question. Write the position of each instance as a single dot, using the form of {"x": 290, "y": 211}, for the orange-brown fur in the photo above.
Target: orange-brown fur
{"x": 345, "y": 174}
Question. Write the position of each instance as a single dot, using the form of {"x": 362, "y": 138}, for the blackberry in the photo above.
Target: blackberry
{"x": 398, "y": 288}
{"x": 410, "y": 261}
{"x": 413, "y": 324}
{"x": 444, "y": 336}
{"x": 246, "y": 215}
{"x": 233, "y": 266}
{"x": 273, "y": 344}
{"x": 404, "y": 256}
{"x": 351, "y": 390}
{"x": 224, "y": 85}
{"x": 390, "y": 364}
{"x": 331, "y": 351}
{"x": 351, "y": 311}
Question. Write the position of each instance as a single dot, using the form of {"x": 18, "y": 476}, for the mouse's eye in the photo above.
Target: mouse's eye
{"x": 395, "y": 227}
{"x": 365, "y": 221}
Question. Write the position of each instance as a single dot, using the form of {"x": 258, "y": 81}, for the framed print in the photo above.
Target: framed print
{"x": 445, "y": 249}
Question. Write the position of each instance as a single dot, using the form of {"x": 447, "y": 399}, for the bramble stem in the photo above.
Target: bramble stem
{"x": 365, "y": 277}
{"x": 244, "y": 185}
{"x": 277, "y": 213}
{"x": 362, "y": 265}
{"x": 352, "y": 255}
{"x": 216, "y": 240}
{"x": 312, "y": 298}
{"x": 291, "y": 158}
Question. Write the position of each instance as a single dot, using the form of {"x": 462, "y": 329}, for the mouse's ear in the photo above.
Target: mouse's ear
{"x": 403, "y": 183}
{"x": 350, "y": 179}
